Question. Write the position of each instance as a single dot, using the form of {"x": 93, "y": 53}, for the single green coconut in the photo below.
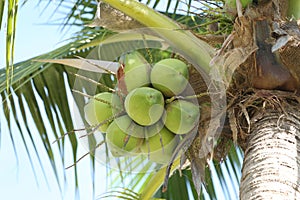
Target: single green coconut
{"x": 181, "y": 116}
{"x": 102, "y": 109}
{"x": 159, "y": 148}
{"x": 144, "y": 105}
{"x": 136, "y": 70}
{"x": 170, "y": 76}
{"x": 120, "y": 143}
{"x": 90, "y": 114}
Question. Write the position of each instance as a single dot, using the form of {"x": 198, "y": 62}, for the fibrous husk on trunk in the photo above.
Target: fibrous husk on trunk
{"x": 262, "y": 52}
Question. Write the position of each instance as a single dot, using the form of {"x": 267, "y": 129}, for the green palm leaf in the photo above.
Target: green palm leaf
{"x": 2, "y": 4}
{"x": 33, "y": 81}
{"x": 10, "y": 36}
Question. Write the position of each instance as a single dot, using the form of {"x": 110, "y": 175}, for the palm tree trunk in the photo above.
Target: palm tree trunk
{"x": 271, "y": 167}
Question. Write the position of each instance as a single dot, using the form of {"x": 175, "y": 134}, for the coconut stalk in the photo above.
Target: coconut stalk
{"x": 156, "y": 181}
{"x": 183, "y": 41}
{"x": 272, "y": 164}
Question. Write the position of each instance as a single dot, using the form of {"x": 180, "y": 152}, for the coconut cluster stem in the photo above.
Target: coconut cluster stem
{"x": 183, "y": 41}
{"x": 186, "y": 97}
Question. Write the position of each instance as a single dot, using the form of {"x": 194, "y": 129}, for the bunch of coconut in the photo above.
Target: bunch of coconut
{"x": 143, "y": 116}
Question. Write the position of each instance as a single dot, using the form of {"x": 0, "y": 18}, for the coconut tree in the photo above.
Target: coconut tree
{"x": 243, "y": 58}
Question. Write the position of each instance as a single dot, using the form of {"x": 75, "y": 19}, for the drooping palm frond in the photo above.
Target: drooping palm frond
{"x": 222, "y": 180}
{"x": 2, "y": 4}
{"x": 33, "y": 81}
{"x": 10, "y": 36}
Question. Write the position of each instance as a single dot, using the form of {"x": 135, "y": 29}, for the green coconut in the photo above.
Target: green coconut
{"x": 136, "y": 70}
{"x": 144, "y": 105}
{"x": 170, "y": 76}
{"x": 90, "y": 114}
{"x": 102, "y": 109}
{"x": 120, "y": 143}
{"x": 181, "y": 116}
{"x": 159, "y": 148}
{"x": 130, "y": 127}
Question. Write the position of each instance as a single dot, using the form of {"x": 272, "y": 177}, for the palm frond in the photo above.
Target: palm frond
{"x": 32, "y": 82}
{"x": 221, "y": 182}
{"x": 81, "y": 12}
{"x": 10, "y": 37}
{"x": 2, "y": 6}
{"x": 221, "y": 178}
{"x": 27, "y": 96}
{"x": 120, "y": 193}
